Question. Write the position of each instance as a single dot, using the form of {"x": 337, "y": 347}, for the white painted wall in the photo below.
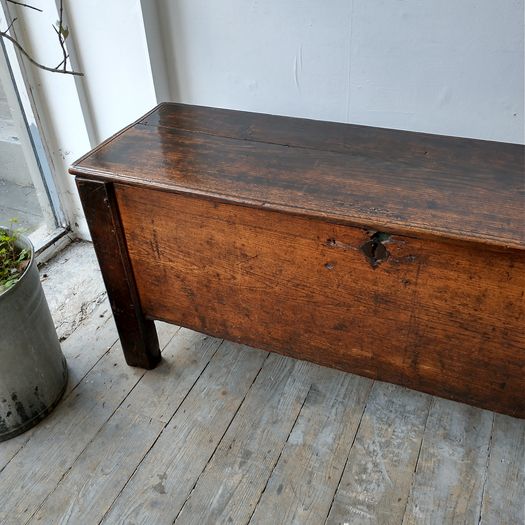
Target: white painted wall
{"x": 448, "y": 67}
{"x": 110, "y": 43}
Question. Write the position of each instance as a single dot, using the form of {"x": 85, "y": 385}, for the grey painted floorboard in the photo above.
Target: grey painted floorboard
{"x": 504, "y": 494}
{"x": 162, "y": 482}
{"x": 378, "y": 474}
{"x": 304, "y": 481}
{"x": 450, "y": 473}
{"x": 230, "y": 486}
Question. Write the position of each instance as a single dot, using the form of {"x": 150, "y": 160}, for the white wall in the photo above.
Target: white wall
{"x": 110, "y": 43}
{"x": 449, "y": 67}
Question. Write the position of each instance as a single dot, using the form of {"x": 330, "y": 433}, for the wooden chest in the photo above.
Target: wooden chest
{"x": 390, "y": 254}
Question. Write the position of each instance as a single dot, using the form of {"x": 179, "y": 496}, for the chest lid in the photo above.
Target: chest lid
{"x": 390, "y": 180}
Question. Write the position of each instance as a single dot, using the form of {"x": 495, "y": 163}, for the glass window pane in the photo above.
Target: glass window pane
{"x": 18, "y": 196}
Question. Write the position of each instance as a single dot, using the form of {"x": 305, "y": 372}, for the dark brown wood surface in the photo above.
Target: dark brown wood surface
{"x": 408, "y": 183}
{"x": 137, "y": 334}
{"x": 443, "y": 318}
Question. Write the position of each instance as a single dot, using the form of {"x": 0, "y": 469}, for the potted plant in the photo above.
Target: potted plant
{"x": 33, "y": 371}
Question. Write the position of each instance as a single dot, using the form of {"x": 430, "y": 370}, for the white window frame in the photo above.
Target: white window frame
{"x": 53, "y": 234}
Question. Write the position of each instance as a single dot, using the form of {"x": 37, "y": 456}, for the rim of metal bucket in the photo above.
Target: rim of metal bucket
{"x": 24, "y": 241}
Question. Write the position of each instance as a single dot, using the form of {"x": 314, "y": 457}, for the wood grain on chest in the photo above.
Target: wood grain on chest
{"x": 444, "y": 318}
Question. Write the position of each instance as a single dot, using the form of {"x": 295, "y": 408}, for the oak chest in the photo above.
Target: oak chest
{"x": 389, "y": 254}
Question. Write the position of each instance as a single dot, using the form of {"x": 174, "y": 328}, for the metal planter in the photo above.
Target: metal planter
{"x": 33, "y": 370}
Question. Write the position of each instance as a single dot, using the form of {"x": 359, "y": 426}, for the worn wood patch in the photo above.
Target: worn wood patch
{"x": 86, "y": 492}
{"x": 450, "y": 474}
{"x": 88, "y": 343}
{"x": 163, "y": 481}
{"x": 504, "y": 494}
{"x": 160, "y": 391}
{"x": 303, "y": 482}
{"x": 378, "y": 475}
{"x": 230, "y": 487}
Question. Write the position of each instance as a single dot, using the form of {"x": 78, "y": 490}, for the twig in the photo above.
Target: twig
{"x": 10, "y": 25}
{"x": 58, "y": 67}
{"x": 61, "y": 41}
{"x": 25, "y": 5}
{"x": 34, "y": 62}
{"x": 62, "y": 34}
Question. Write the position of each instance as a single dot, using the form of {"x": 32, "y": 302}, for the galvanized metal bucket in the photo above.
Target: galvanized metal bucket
{"x": 33, "y": 370}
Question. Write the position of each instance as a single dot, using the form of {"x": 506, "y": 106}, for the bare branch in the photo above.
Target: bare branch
{"x": 10, "y": 25}
{"x": 60, "y": 65}
{"x": 25, "y": 5}
{"x": 62, "y": 33}
{"x": 34, "y": 62}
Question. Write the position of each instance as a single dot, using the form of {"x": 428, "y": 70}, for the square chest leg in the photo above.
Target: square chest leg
{"x": 137, "y": 334}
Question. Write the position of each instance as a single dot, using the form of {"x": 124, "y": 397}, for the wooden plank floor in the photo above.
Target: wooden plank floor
{"x": 221, "y": 433}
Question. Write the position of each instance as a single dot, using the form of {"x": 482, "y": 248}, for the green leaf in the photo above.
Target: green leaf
{"x": 62, "y": 30}
{"x": 13, "y": 260}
